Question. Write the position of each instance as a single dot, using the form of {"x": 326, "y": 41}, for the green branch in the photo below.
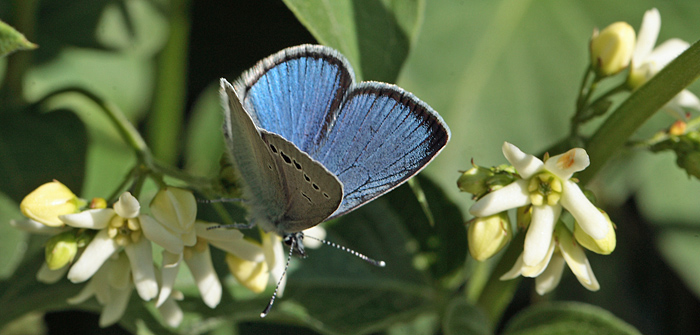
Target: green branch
{"x": 639, "y": 107}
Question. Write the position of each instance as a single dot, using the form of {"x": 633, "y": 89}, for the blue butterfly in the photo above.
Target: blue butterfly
{"x": 311, "y": 144}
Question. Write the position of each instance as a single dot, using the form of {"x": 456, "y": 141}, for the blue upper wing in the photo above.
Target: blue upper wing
{"x": 372, "y": 136}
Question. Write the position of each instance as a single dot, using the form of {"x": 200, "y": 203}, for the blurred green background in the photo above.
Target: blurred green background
{"x": 495, "y": 70}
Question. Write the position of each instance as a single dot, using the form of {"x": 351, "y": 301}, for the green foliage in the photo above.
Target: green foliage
{"x": 11, "y": 40}
{"x": 567, "y": 318}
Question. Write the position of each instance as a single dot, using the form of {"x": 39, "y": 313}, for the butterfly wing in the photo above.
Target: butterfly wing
{"x": 372, "y": 136}
{"x": 382, "y": 137}
{"x": 296, "y": 92}
{"x": 313, "y": 193}
{"x": 286, "y": 189}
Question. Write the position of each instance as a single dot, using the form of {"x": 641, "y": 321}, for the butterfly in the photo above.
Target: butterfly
{"x": 311, "y": 144}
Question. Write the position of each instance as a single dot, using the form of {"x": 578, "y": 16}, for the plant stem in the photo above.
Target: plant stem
{"x": 165, "y": 121}
{"x": 640, "y": 106}
{"x": 127, "y": 131}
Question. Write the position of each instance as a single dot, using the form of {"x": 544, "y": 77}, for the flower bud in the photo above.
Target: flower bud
{"x": 474, "y": 180}
{"x": 48, "y": 201}
{"x": 611, "y": 49}
{"x": 253, "y": 275}
{"x": 602, "y": 246}
{"x": 176, "y": 210}
{"x": 488, "y": 235}
{"x": 98, "y": 203}
{"x": 60, "y": 250}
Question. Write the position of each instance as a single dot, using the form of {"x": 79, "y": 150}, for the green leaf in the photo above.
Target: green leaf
{"x": 681, "y": 248}
{"x": 37, "y": 148}
{"x": 204, "y": 142}
{"x": 12, "y": 40}
{"x": 340, "y": 293}
{"x": 462, "y": 317}
{"x": 443, "y": 247}
{"x": 13, "y": 242}
{"x": 567, "y": 318}
{"x": 376, "y": 36}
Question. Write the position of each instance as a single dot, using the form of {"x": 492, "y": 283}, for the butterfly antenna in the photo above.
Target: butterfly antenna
{"x": 211, "y": 201}
{"x": 348, "y": 250}
{"x": 274, "y": 294}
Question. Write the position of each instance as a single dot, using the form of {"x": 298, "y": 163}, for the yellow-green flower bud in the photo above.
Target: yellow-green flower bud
{"x": 98, "y": 203}
{"x": 523, "y": 216}
{"x": 603, "y": 246}
{"x": 60, "y": 250}
{"x": 488, "y": 235}
{"x": 48, "y": 201}
{"x": 611, "y": 49}
{"x": 252, "y": 275}
{"x": 474, "y": 180}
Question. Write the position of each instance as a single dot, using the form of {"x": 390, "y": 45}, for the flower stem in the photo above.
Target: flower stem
{"x": 127, "y": 131}
{"x": 164, "y": 124}
{"x": 497, "y": 294}
{"x": 640, "y": 106}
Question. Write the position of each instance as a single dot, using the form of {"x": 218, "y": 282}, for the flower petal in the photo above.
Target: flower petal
{"x": 646, "y": 39}
{"x": 568, "y": 163}
{"x": 317, "y": 232}
{"x": 90, "y": 219}
{"x": 687, "y": 99}
{"x": 48, "y": 276}
{"x": 549, "y": 279}
{"x": 119, "y": 271}
{"x": 169, "y": 270}
{"x": 536, "y": 270}
{"x": 160, "y": 235}
{"x": 527, "y": 165}
{"x": 204, "y": 275}
{"x": 231, "y": 241}
{"x": 127, "y": 206}
{"x": 142, "y": 269}
{"x": 665, "y": 53}
{"x": 588, "y": 216}
{"x": 35, "y": 227}
{"x": 176, "y": 208}
{"x": 253, "y": 275}
{"x": 96, "y": 253}
{"x": 515, "y": 271}
{"x": 275, "y": 259}
{"x": 171, "y": 313}
{"x": 539, "y": 234}
{"x": 512, "y": 195}
{"x": 576, "y": 259}
{"x": 114, "y": 310}
{"x": 84, "y": 294}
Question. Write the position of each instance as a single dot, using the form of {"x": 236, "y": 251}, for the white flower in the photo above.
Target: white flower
{"x": 112, "y": 286}
{"x": 547, "y": 187}
{"x": 647, "y": 61}
{"x": 562, "y": 250}
{"x": 255, "y": 273}
{"x": 118, "y": 228}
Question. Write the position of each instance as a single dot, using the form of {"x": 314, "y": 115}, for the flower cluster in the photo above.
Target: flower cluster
{"x": 540, "y": 191}
{"x": 616, "y": 48}
{"x": 110, "y": 248}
